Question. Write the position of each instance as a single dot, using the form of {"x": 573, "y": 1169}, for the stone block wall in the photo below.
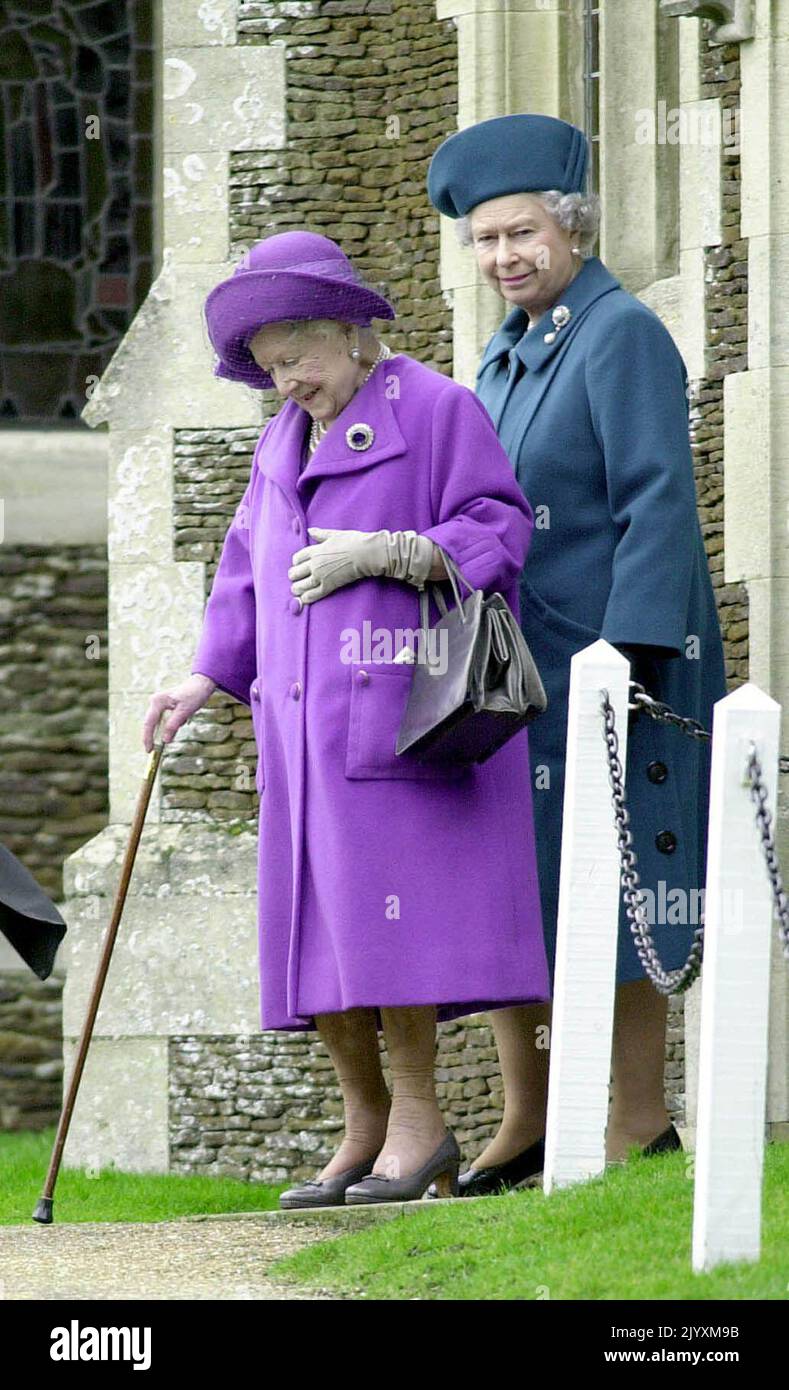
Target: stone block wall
{"x": 271, "y": 1111}
{"x": 210, "y": 775}
{"x": 726, "y": 312}
{"x": 726, "y": 308}
{"x": 31, "y": 1049}
{"x": 371, "y": 91}
{"x": 53, "y": 703}
{"x": 53, "y": 781}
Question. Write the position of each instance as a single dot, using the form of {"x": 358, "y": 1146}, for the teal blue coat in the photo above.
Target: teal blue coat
{"x": 595, "y": 425}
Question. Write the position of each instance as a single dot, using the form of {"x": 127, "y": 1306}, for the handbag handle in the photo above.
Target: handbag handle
{"x": 454, "y": 573}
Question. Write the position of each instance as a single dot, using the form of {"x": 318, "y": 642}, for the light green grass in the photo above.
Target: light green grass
{"x": 111, "y": 1195}
{"x": 625, "y": 1235}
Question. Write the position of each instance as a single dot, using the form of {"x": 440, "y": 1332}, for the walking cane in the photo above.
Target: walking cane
{"x": 43, "y": 1211}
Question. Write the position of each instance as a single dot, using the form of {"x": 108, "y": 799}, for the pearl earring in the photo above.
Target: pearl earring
{"x": 576, "y": 251}
{"x": 355, "y": 354}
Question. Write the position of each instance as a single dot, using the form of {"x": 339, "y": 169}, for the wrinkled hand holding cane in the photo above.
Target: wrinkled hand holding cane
{"x": 183, "y": 700}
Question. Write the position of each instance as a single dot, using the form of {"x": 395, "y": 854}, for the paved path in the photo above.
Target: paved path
{"x": 200, "y": 1257}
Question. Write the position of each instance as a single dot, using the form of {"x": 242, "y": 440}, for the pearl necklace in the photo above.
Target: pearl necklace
{"x": 319, "y": 427}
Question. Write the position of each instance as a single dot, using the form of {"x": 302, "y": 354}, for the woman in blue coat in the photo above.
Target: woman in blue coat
{"x": 588, "y": 393}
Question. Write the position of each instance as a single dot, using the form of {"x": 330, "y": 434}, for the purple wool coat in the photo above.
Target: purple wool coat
{"x": 381, "y": 881}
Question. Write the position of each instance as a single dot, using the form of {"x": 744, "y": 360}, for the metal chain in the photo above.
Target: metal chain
{"x": 763, "y": 822}
{"x": 678, "y": 980}
{"x": 665, "y": 981}
{"x": 664, "y": 714}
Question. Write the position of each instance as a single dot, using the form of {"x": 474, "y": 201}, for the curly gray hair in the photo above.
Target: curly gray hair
{"x": 301, "y": 330}
{"x": 575, "y": 212}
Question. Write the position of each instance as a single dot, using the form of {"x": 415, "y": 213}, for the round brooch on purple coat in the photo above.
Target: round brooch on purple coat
{"x": 359, "y": 436}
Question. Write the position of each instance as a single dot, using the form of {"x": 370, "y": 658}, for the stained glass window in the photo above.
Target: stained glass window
{"x": 76, "y": 128}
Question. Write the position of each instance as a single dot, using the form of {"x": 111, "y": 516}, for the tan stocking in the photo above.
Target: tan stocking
{"x": 638, "y": 1109}
{"x": 351, "y": 1039}
{"x": 522, "y": 1038}
{"x": 416, "y": 1126}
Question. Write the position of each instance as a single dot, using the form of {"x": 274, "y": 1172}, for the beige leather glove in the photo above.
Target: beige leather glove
{"x": 342, "y": 557}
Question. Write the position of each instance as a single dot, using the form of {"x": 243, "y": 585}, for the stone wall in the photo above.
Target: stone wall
{"x": 31, "y": 1049}
{"x": 372, "y": 89}
{"x": 211, "y": 774}
{"x": 271, "y": 1110}
{"x": 53, "y": 703}
{"x": 726, "y": 313}
{"x": 726, "y": 308}
{"x": 53, "y": 781}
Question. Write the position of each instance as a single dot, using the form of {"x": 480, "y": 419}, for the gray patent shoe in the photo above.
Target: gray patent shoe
{"x": 442, "y": 1166}
{"x": 326, "y": 1192}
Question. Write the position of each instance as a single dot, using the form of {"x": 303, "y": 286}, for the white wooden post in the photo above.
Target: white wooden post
{"x": 586, "y": 945}
{"x": 735, "y": 986}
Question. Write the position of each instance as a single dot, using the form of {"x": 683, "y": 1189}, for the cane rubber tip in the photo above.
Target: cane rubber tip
{"x": 43, "y": 1211}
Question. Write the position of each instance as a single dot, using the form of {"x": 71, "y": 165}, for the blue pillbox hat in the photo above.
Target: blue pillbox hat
{"x": 509, "y": 154}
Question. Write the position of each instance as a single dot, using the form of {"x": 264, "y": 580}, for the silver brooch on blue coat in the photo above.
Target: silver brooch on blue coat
{"x": 561, "y": 315}
{"x": 359, "y": 436}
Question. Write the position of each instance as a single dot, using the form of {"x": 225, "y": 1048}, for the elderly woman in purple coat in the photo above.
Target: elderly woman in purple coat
{"x": 392, "y": 894}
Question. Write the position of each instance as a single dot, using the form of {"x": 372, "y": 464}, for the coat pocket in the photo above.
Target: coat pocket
{"x": 257, "y": 725}
{"x": 379, "y": 693}
{"x": 535, "y": 608}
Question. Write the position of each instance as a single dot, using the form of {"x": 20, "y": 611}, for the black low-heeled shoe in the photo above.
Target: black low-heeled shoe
{"x": 521, "y": 1170}
{"x": 664, "y": 1142}
{"x": 526, "y": 1168}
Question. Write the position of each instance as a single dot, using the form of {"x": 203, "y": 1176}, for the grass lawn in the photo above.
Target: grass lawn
{"x": 111, "y": 1195}
{"x": 625, "y": 1235}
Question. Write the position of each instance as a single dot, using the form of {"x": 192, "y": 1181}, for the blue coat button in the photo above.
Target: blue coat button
{"x": 666, "y": 841}
{"x": 657, "y": 772}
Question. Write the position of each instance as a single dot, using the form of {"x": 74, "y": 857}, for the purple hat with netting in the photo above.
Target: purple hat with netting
{"x": 293, "y": 275}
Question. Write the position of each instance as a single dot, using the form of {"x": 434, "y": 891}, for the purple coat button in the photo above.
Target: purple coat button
{"x": 295, "y": 690}
{"x": 296, "y": 605}
{"x": 362, "y": 677}
{"x": 296, "y": 524}
{"x": 255, "y": 692}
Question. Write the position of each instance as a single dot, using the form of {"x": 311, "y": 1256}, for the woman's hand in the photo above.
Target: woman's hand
{"x": 342, "y": 557}
{"x": 183, "y": 700}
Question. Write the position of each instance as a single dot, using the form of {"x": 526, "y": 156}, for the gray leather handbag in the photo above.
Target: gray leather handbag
{"x": 481, "y": 686}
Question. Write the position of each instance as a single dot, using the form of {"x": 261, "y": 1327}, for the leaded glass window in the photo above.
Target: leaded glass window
{"x": 76, "y": 243}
